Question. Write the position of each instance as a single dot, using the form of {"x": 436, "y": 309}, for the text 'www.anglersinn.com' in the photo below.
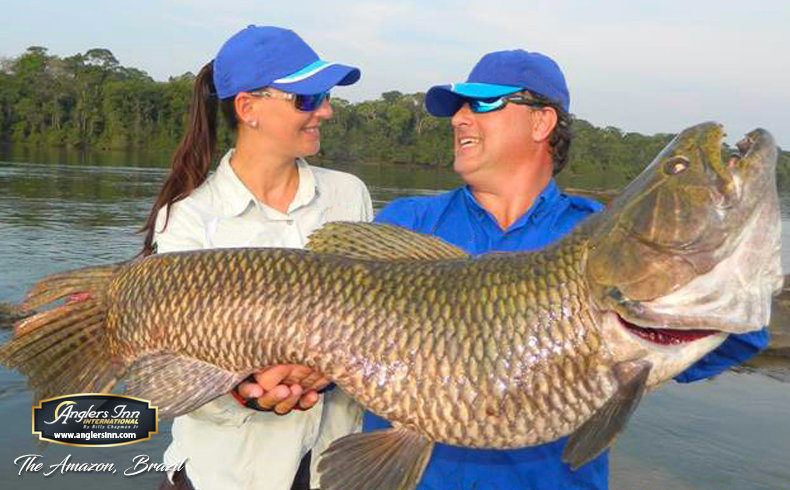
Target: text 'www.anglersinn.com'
{"x": 95, "y": 435}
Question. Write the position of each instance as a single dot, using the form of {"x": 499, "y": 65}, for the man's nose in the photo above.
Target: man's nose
{"x": 462, "y": 116}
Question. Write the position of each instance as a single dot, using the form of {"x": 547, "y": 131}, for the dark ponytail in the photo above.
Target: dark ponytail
{"x": 192, "y": 159}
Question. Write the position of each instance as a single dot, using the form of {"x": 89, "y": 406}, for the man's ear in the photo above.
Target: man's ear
{"x": 544, "y": 123}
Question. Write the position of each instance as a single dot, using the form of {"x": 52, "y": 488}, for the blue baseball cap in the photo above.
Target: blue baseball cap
{"x": 264, "y": 56}
{"x": 501, "y": 73}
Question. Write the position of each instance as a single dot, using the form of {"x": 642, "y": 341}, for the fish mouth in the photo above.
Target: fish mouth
{"x": 743, "y": 148}
{"x": 666, "y": 336}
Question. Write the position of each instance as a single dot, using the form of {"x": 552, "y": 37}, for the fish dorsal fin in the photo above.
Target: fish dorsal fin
{"x": 600, "y": 430}
{"x": 380, "y": 242}
{"x": 177, "y": 384}
{"x": 392, "y": 459}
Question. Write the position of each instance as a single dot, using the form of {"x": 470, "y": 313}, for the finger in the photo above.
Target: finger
{"x": 287, "y": 405}
{"x": 274, "y": 396}
{"x": 272, "y": 376}
{"x": 297, "y": 374}
{"x": 308, "y": 382}
{"x": 248, "y": 389}
{"x": 308, "y": 400}
{"x": 319, "y": 385}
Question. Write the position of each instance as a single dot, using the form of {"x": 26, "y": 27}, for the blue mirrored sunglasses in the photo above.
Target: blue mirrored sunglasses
{"x": 304, "y": 103}
{"x": 480, "y": 106}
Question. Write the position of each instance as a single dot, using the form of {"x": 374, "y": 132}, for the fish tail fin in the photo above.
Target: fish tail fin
{"x": 65, "y": 350}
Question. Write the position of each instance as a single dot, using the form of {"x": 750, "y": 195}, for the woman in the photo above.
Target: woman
{"x": 274, "y": 90}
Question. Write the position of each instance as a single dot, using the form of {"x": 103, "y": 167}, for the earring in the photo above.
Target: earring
{"x": 253, "y": 124}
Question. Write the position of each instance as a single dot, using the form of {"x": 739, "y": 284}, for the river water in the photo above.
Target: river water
{"x": 731, "y": 432}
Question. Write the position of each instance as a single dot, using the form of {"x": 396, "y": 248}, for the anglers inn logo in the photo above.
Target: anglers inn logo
{"x": 95, "y": 419}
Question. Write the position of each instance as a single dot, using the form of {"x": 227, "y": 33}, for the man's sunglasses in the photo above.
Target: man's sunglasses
{"x": 480, "y": 106}
{"x": 304, "y": 103}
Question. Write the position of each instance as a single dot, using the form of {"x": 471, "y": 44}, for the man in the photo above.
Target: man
{"x": 511, "y": 135}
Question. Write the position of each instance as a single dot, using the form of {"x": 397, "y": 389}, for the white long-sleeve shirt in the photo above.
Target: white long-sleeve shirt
{"x": 227, "y": 446}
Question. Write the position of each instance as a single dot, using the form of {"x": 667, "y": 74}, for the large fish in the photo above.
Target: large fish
{"x": 503, "y": 350}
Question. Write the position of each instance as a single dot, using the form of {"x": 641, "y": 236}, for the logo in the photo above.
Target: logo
{"x": 95, "y": 419}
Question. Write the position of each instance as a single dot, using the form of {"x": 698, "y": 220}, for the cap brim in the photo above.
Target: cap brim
{"x": 445, "y": 100}
{"x": 318, "y": 80}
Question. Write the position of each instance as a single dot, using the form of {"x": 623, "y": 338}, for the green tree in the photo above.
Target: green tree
{"x": 91, "y": 100}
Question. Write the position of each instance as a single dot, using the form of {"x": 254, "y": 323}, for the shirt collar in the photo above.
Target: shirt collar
{"x": 236, "y": 198}
{"x": 543, "y": 205}
{"x": 308, "y": 187}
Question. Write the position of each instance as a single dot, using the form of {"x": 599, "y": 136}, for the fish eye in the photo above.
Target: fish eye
{"x": 676, "y": 165}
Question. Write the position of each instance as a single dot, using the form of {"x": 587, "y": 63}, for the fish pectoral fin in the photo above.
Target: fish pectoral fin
{"x": 375, "y": 241}
{"x": 392, "y": 459}
{"x": 177, "y": 384}
{"x": 600, "y": 431}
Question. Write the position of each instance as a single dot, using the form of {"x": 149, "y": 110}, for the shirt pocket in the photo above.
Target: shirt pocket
{"x": 244, "y": 232}
{"x": 349, "y": 210}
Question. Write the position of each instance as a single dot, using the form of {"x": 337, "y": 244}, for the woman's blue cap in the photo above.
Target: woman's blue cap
{"x": 501, "y": 73}
{"x": 263, "y": 56}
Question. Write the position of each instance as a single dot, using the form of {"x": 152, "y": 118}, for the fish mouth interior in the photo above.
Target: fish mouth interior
{"x": 745, "y": 145}
{"x": 666, "y": 336}
{"x": 742, "y": 149}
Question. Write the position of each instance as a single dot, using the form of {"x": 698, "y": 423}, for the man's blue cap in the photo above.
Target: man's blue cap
{"x": 258, "y": 57}
{"x": 502, "y": 73}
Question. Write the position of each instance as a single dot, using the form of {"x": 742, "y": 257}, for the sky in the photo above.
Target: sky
{"x": 641, "y": 66}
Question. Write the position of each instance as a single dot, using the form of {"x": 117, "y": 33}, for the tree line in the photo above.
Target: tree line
{"x": 90, "y": 100}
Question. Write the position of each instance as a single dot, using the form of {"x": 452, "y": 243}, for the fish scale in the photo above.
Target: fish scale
{"x": 432, "y": 337}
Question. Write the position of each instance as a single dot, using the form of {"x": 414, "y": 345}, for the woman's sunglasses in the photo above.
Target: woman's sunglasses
{"x": 480, "y": 106}
{"x": 304, "y": 103}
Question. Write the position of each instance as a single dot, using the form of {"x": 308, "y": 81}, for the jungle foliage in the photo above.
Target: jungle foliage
{"x": 91, "y": 101}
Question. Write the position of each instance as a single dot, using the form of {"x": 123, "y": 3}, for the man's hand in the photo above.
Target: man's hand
{"x": 284, "y": 386}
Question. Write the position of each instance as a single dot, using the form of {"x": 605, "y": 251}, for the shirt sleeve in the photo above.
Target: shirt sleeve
{"x": 184, "y": 230}
{"x": 735, "y": 350}
{"x": 367, "y": 204}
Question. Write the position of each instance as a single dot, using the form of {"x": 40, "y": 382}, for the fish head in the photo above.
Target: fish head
{"x": 691, "y": 248}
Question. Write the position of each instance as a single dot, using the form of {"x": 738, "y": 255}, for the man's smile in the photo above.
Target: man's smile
{"x": 468, "y": 141}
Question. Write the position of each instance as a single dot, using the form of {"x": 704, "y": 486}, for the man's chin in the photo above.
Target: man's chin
{"x": 465, "y": 164}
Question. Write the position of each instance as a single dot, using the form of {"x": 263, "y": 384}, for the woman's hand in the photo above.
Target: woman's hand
{"x": 284, "y": 387}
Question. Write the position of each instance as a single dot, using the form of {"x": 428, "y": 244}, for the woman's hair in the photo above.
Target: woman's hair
{"x": 192, "y": 159}
{"x": 561, "y": 137}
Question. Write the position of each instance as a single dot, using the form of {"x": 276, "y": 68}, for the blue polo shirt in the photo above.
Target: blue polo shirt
{"x": 458, "y": 218}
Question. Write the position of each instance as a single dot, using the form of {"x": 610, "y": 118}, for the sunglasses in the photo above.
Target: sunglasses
{"x": 304, "y": 103}
{"x": 481, "y": 106}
